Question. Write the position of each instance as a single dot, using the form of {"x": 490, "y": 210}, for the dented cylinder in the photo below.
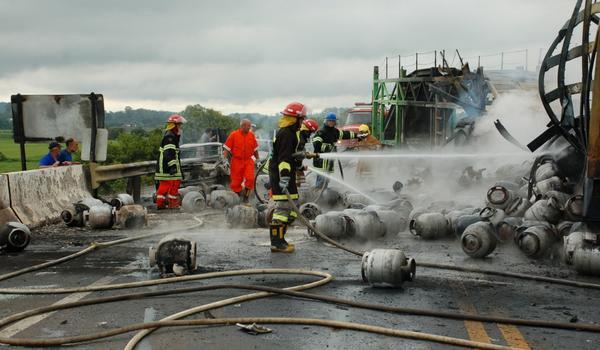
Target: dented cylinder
{"x": 193, "y": 202}
{"x": 121, "y": 200}
{"x": 544, "y": 210}
{"x": 14, "y": 236}
{"x": 507, "y": 228}
{"x": 430, "y": 226}
{"x": 354, "y": 199}
{"x": 310, "y": 210}
{"x": 545, "y": 171}
{"x": 499, "y": 197}
{"x": 132, "y": 216}
{"x": 517, "y": 207}
{"x": 387, "y": 268}
{"x": 479, "y": 239}
{"x": 220, "y": 199}
{"x": 101, "y": 216}
{"x": 174, "y": 254}
{"x": 242, "y": 216}
{"x": 364, "y": 224}
{"x": 493, "y": 215}
{"x": 332, "y": 224}
{"x": 72, "y": 217}
{"x": 574, "y": 208}
{"x": 393, "y": 222}
{"x": 554, "y": 183}
{"x": 464, "y": 221}
{"x": 536, "y": 241}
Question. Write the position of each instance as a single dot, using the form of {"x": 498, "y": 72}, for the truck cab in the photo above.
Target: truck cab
{"x": 358, "y": 115}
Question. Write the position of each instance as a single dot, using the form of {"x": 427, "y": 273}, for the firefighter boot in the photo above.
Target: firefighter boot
{"x": 245, "y": 196}
{"x": 174, "y": 202}
{"x": 278, "y": 243}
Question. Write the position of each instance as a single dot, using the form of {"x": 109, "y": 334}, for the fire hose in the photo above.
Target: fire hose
{"x": 265, "y": 291}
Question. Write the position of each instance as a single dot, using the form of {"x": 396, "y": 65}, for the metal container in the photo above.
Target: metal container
{"x": 220, "y": 199}
{"x": 132, "y": 216}
{"x": 73, "y": 217}
{"x": 310, "y": 210}
{"x": 544, "y": 210}
{"x": 574, "y": 208}
{"x": 364, "y": 224}
{"x": 193, "y": 202}
{"x": 561, "y": 197}
{"x": 14, "y": 236}
{"x": 499, "y": 197}
{"x": 563, "y": 228}
{"x": 546, "y": 171}
{"x": 517, "y": 207}
{"x": 507, "y": 228}
{"x": 101, "y": 216}
{"x": 121, "y": 200}
{"x": 242, "y": 216}
{"x": 387, "y": 268}
{"x": 90, "y": 202}
{"x": 185, "y": 190}
{"x": 354, "y": 199}
{"x": 582, "y": 250}
{"x": 554, "y": 183}
{"x": 430, "y": 226}
{"x": 393, "y": 222}
{"x": 173, "y": 255}
{"x": 493, "y": 215}
{"x": 332, "y": 224}
{"x": 479, "y": 239}
{"x": 536, "y": 241}
{"x": 330, "y": 197}
{"x": 464, "y": 221}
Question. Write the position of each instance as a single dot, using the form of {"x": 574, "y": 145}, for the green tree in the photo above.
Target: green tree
{"x": 134, "y": 147}
{"x": 200, "y": 118}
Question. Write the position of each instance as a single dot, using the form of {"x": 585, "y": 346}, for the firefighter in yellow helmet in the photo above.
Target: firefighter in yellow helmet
{"x": 369, "y": 143}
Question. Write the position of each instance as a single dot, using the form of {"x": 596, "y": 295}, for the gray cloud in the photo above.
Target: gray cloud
{"x": 239, "y": 53}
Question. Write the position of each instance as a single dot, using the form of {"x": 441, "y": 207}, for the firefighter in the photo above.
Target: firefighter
{"x": 241, "y": 148}
{"x": 282, "y": 174}
{"x": 369, "y": 143}
{"x": 325, "y": 141}
{"x": 168, "y": 166}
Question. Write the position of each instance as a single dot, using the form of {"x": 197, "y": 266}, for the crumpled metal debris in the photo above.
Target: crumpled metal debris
{"x": 254, "y": 328}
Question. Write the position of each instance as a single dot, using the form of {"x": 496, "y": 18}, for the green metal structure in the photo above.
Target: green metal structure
{"x": 429, "y": 107}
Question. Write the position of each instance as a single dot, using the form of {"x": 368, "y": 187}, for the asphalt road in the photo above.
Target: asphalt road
{"x": 221, "y": 248}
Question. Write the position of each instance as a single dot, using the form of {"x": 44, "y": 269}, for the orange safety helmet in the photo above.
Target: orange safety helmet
{"x": 295, "y": 109}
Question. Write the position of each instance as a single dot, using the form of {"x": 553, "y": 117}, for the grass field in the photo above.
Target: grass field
{"x": 10, "y": 150}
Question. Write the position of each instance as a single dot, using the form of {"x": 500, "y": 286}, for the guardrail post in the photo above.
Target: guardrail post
{"x": 134, "y": 188}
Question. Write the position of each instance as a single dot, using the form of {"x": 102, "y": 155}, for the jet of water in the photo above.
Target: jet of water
{"x": 374, "y": 155}
{"x": 343, "y": 183}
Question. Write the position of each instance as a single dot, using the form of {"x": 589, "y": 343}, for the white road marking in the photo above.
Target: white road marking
{"x": 28, "y": 322}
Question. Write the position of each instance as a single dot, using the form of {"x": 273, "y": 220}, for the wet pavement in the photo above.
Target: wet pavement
{"x": 221, "y": 249}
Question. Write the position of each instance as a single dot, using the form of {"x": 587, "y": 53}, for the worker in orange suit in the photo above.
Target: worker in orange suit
{"x": 241, "y": 148}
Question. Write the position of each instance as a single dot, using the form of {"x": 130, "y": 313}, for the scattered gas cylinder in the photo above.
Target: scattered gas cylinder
{"x": 220, "y": 199}
{"x": 242, "y": 216}
{"x": 193, "y": 202}
{"x": 173, "y": 255}
{"x": 101, "y": 216}
{"x": 387, "y": 268}
{"x": 536, "y": 241}
{"x": 332, "y": 224}
{"x": 364, "y": 224}
{"x": 132, "y": 216}
{"x": 544, "y": 210}
{"x": 14, "y": 236}
{"x": 479, "y": 239}
{"x": 121, "y": 200}
{"x": 430, "y": 226}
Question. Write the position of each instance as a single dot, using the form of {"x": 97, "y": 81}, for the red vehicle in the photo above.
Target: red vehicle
{"x": 358, "y": 115}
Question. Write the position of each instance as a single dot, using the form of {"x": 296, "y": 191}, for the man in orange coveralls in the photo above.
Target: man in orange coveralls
{"x": 241, "y": 148}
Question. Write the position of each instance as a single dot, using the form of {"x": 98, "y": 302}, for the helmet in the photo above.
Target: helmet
{"x": 311, "y": 125}
{"x": 176, "y": 119}
{"x": 330, "y": 117}
{"x": 295, "y": 109}
{"x": 364, "y": 129}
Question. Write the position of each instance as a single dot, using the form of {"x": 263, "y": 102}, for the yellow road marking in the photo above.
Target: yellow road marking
{"x": 513, "y": 336}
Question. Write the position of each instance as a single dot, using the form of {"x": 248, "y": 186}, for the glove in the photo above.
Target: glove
{"x": 362, "y": 136}
{"x": 172, "y": 170}
{"x": 284, "y": 182}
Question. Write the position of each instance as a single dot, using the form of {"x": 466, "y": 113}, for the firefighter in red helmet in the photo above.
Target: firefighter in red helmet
{"x": 282, "y": 174}
{"x": 168, "y": 166}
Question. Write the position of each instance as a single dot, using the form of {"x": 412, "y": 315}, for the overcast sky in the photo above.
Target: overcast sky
{"x": 250, "y": 56}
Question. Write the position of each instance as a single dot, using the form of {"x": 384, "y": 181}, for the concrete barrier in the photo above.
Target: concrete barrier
{"x": 38, "y": 197}
{"x": 6, "y": 213}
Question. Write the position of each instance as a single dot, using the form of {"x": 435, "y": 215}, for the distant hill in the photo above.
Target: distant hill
{"x": 136, "y": 118}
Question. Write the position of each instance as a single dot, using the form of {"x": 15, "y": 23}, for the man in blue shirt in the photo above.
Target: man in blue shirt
{"x": 66, "y": 155}
{"x": 51, "y": 159}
